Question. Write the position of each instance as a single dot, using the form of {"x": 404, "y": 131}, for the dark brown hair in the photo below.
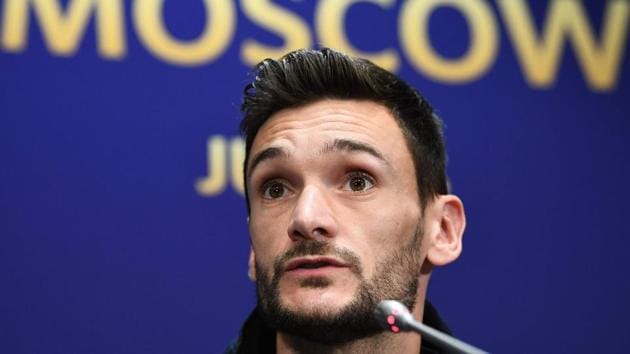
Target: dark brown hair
{"x": 306, "y": 76}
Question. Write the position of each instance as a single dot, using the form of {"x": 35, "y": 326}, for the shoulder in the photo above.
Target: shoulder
{"x": 255, "y": 337}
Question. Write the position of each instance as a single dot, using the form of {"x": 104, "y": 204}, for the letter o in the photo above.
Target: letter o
{"x": 215, "y": 38}
{"x": 481, "y": 52}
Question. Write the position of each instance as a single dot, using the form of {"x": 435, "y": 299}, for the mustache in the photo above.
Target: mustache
{"x": 318, "y": 248}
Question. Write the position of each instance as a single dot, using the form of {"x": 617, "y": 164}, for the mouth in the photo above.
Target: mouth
{"x": 313, "y": 263}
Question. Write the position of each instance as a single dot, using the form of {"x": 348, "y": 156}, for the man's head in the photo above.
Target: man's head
{"x": 345, "y": 182}
{"x": 308, "y": 76}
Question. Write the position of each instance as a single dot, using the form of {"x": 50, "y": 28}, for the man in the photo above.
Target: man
{"x": 348, "y": 205}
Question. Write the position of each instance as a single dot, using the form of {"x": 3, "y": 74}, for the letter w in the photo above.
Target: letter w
{"x": 62, "y": 31}
{"x": 567, "y": 18}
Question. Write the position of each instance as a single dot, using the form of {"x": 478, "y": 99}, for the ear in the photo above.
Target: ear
{"x": 251, "y": 272}
{"x": 446, "y": 243}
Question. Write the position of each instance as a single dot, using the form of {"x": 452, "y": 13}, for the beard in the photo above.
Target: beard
{"x": 396, "y": 278}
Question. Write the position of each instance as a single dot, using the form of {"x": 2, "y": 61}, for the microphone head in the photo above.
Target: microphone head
{"x": 393, "y": 316}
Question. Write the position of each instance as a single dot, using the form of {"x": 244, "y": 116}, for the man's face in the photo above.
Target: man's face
{"x": 335, "y": 219}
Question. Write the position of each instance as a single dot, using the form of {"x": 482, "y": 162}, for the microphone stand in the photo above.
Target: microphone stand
{"x": 394, "y": 316}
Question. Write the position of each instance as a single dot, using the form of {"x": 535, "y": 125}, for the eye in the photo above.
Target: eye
{"x": 359, "y": 182}
{"x": 274, "y": 190}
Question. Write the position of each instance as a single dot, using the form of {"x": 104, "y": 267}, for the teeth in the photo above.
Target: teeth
{"x": 313, "y": 265}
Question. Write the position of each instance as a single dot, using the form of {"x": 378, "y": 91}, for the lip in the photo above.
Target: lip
{"x": 296, "y": 264}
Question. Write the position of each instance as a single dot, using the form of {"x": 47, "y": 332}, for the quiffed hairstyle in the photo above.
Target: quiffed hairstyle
{"x": 304, "y": 76}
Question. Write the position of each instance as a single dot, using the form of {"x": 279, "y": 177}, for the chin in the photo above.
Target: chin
{"x": 325, "y": 315}
{"x": 316, "y": 300}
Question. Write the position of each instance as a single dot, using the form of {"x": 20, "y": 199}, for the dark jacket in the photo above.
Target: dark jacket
{"x": 257, "y": 338}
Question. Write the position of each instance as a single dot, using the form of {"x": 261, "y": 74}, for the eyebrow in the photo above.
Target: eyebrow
{"x": 267, "y": 154}
{"x": 346, "y": 145}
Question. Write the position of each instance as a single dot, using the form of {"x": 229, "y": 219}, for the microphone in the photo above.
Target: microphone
{"x": 394, "y": 316}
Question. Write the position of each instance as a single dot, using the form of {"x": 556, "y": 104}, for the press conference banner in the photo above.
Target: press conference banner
{"x": 122, "y": 219}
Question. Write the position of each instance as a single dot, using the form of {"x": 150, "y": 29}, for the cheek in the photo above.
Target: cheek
{"x": 391, "y": 225}
{"x": 383, "y": 233}
{"x": 269, "y": 238}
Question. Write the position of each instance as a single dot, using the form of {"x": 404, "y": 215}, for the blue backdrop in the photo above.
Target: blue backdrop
{"x": 122, "y": 221}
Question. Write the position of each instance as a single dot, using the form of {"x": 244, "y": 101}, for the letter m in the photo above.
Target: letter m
{"x": 63, "y": 28}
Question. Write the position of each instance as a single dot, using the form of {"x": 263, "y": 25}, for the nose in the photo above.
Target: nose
{"x": 312, "y": 217}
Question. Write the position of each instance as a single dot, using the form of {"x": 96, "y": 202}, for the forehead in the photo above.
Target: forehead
{"x": 306, "y": 128}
